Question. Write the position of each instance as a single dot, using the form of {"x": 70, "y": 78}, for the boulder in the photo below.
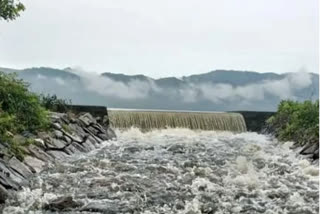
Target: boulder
{"x": 88, "y": 145}
{"x": 98, "y": 139}
{"x": 34, "y": 164}
{"x": 39, "y": 153}
{"x": 58, "y": 134}
{"x": 87, "y": 119}
{"x": 18, "y": 166}
{"x": 102, "y": 207}
{"x": 56, "y": 126}
{"x": 74, "y": 137}
{"x": 64, "y": 203}
{"x": 3, "y": 194}
{"x": 71, "y": 149}
{"x": 310, "y": 149}
{"x": 58, "y": 155}
{"x": 9, "y": 179}
{"x": 79, "y": 147}
{"x": 55, "y": 144}
{"x": 77, "y": 129}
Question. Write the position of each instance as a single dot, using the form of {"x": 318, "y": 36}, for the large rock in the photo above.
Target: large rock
{"x": 63, "y": 204}
{"x": 59, "y": 155}
{"x": 56, "y": 144}
{"x": 4, "y": 194}
{"x": 310, "y": 148}
{"x": 102, "y": 207}
{"x": 73, "y": 137}
{"x": 71, "y": 149}
{"x": 18, "y": 166}
{"x": 87, "y": 119}
{"x": 39, "y": 153}
{"x": 34, "y": 164}
{"x": 9, "y": 179}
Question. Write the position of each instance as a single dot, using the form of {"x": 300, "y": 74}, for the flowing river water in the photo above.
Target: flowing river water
{"x": 179, "y": 171}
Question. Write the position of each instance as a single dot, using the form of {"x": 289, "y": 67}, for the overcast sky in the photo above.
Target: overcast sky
{"x": 164, "y": 37}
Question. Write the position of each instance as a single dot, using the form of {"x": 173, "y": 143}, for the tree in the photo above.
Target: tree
{"x": 10, "y": 9}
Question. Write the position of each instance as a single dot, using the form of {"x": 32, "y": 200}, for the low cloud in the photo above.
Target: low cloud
{"x": 217, "y": 93}
{"x": 134, "y": 89}
{"x": 190, "y": 93}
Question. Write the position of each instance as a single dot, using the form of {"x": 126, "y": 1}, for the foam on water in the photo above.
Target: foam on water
{"x": 180, "y": 171}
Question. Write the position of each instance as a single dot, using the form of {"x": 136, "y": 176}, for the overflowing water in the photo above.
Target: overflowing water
{"x": 147, "y": 120}
{"x": 179, "y": 171}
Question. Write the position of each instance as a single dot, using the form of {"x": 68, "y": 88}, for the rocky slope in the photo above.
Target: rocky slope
{"x": 69, "y": 135}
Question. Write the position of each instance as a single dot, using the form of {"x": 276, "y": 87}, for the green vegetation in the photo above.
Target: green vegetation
{"x": 10, "y": 9}
{"x": 22, "y": 107}
{"x": 23, "y": 111}
{"x": 53, "y": 103}
{"x": 296, "y": 121}
{"x": 20, "y": 110}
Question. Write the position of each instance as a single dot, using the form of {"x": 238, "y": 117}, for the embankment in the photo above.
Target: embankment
{"x": 70, "y": 134}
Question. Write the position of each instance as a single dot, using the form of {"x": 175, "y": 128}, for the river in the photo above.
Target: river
{"x": 179, "y": 171}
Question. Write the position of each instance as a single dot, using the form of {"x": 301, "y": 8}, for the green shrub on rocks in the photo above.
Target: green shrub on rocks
{"x": 17, "y": 101}
{"x": 20, "y": 110}
{"x": 53, "y": 103}
{"x": 296, "y": 121}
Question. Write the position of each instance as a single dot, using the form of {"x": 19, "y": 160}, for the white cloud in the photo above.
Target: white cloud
{"x": 283, "y": 88}
{"x": 134, "y": 89}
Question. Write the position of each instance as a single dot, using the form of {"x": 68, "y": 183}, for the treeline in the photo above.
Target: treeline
{"x": 22, "y": 111}
{"x": 296, "y": 121}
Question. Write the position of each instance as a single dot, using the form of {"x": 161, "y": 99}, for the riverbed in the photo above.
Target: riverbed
{"x": 179, "y": 171}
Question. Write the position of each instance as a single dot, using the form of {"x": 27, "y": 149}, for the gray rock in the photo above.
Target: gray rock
{"x": 77, "y": 129}
{"x": 56, "y": 144}
{"x": 39, "y": 142}
{"x": 103, "y": 136}
{"x": 75, "y": 138}
{"x": 99, "y": 140}
{"x": 87, "y": 119}
{"x": 3, "y": 194}
{"x": 71, "y": 149}
{"x": 79, "y": 147}
{"x": 20, "y": 167}
{"x": 59, "y": 155}
{"x": 88, "y": 145}
{"x": 56, "y": 126}
{"x": 93, "y": 141}
{"x": 309, "y": 148}
{"x": 63, "y": 204}
{"x": 34, "y": 164}
{"x": 39, "y": 153}
{"x": 103, "y": 207}
{"x": 93, "y": 130}
{"x": 176, "y": 148}
{"x": 58, "y": 134}
{"x": 10, "y": 179}
{"x": 99, "y": 128}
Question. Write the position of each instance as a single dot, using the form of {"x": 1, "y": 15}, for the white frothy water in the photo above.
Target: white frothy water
{"x": 180, "y": 171}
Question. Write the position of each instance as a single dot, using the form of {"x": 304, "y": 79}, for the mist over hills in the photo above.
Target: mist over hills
{"x": 219, "y": 90}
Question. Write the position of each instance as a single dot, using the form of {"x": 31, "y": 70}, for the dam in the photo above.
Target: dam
{"x": 157, "y": 119}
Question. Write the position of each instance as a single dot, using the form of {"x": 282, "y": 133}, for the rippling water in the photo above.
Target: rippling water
{"x": 180, "y": 171}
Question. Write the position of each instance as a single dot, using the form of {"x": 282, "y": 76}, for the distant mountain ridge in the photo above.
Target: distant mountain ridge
{"x": 219, "y": 90}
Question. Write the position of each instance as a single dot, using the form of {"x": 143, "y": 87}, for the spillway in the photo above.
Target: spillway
{"x": 148, "y": 120}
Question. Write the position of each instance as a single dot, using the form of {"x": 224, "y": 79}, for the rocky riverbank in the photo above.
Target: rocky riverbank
{"x": 69, "y": 134}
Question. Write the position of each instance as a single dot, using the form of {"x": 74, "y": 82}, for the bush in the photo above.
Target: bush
{"x": 295, "y": 121}
{"x": 18, "y": 102}
{"x": 53, "y": 103}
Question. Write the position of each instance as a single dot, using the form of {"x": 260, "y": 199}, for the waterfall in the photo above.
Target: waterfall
{"x": 146, "y": 120}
